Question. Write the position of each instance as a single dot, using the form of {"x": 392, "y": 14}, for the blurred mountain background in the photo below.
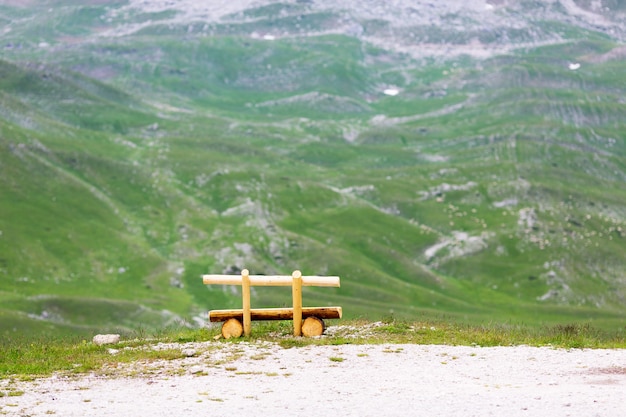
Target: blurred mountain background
{"x": 464, "y": 160}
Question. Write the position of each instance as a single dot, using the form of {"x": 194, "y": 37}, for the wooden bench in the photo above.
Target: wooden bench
{"x": 307, "y": 321}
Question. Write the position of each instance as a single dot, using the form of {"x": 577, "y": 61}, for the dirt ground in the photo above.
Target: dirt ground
{"x": 263, "y": 379}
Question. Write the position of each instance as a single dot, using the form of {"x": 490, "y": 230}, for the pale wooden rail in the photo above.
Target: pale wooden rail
{"x": 272, "y": 280}
{"x": 313, "y": 323}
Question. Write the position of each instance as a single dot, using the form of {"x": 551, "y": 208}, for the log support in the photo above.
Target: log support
{"x": 313, "y": 326}
{"x": 232, "y": 328}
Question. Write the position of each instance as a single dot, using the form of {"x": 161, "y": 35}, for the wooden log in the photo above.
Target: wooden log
{"x": 272, "y": 280}
{"x": 313, "y": 326}
{"x": 296, "y": 290}
{"x": 232, "y": 328}
{"x": 275, "y": 313}
{"x": 245, "y": 296}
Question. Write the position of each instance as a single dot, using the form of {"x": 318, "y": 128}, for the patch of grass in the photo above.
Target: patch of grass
{"x": 40, "y": 356}
{"x": 394, "y": 326}
{"x": 294, "y": 342}
{"x": 27, "y": 359}
{"x": 392, "y": 350}
{"x": 260, "y": 356}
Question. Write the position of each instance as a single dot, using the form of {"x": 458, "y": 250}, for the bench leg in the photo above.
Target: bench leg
{"x": 232, "y": 328}
{"x": 313, "y": 326}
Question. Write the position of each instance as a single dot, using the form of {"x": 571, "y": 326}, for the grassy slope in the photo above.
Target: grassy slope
{"x": 225, "y": 152}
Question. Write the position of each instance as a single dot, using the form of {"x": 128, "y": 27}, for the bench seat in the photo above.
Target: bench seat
{"x": 275, "y": 313}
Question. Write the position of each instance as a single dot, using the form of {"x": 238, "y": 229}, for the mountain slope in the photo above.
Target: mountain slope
{"x": 473, "y": 169}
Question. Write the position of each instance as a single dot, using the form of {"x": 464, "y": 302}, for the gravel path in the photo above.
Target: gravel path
{"x": 262, "y": 379}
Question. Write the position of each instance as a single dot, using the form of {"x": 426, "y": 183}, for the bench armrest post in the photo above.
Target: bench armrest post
{"x": 245, "y": 298}
{"x": 296, "y": 290}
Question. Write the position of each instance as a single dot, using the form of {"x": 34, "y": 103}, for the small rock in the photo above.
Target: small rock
{"x": 189, "y": 352}
{"x": 196, "y": 370}
{"x": 106, "y": 339}
{"x": 113, "y": 351}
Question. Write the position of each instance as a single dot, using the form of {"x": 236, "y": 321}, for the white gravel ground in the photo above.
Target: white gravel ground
{"x": 262, "y": 379}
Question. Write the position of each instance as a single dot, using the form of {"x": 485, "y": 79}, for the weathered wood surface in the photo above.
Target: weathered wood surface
{"x": 232, "y": 328}
{"x": 245, "y": 298}
{"x": 272, "y": 280}
{"x": 296, "y": 290}
{"x": 313, "y": 326}
{"x": 275, "y": 313}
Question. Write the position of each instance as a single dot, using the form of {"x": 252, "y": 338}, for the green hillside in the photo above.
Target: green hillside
{"x": 487, "y": 189}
